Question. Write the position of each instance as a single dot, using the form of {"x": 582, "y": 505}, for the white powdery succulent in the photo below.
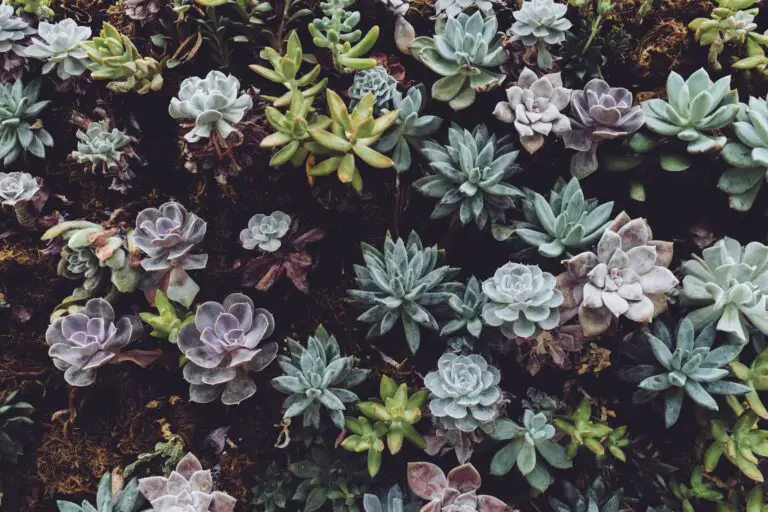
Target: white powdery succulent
{"x": 17, "y": 187}
{"x": 59, "y": 46}
{"x": 540, "y": 20}
{"x": 451, "y": 8}
{"x": 13, "y": 29}
{"x": 265, "y": 231}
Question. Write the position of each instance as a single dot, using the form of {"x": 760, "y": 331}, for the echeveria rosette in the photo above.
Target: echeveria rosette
{"x": 463, "y": 50}
{"x": 534, "y": 106}
{"x": 265, "y": 231}
{"x": 464, "y": 392}
{"x": 222, "y": 348}
{"x": 728, "y": 285}
{"x": 376, "y": 81}
{"x": 58, "y": 45}
{"x": 451, "y": 8}
{"x": 14, "y": 34}
{"x": 599, "y": 112}
{"x": 695, "y": 109}
{"x": 167, "y": 235}
{"x": 20, "y": 130}
{"x": 520, "y": 299}
{"x": 454, "y": 492}
{"x": 100, "y": 146}
{"x": 17, "y": 187}
{"x": 467, "y": 308}
{"x": 540, "y": 23}
{"x": 393, "y": 501}
{"x": 627, "y": 276}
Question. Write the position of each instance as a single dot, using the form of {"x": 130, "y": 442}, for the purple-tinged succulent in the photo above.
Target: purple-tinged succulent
{"x": 167, "y": 235}
{"x": 600, "y": 112}
{"x": 455, "y": 492}
{"x": 188, "y": 489}
{"x": 222, "y": 348}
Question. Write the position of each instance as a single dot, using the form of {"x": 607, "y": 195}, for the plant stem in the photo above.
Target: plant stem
{"x": 595, "y": 29}
{"x": 24, "y": 215}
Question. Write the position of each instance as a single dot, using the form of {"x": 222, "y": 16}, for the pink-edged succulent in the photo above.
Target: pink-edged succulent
{"x": 188, "y": 489}
{"x": 627, "y": 276}
{"x": 455, "y": 492}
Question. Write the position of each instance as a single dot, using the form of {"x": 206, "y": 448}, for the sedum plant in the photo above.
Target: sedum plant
{"x": 113, "y": 56}
{"x": 596, "y": 436}
{"x": 222, "y": 349}
{"x": 696, "y": 109}
{"x": 393, "y": 501}
{"x": 350, "y": 137}
{"x": 743, "y": 444}
{"x": 402, "y": 283}
{"x": 317, "y": 377}
{"x": 21, "y": 130}
{"x": 464, "y": 50}
{"x": 540, "y": 23}
{"x": 17, "y": 189}
{"x": 376, "y": 81}
{"x": 292, "y": 131}
{"x": 598, "y": 499}
{"x": 469, "y": 176}
{"x": 467, "y": 308}
{"x": 456, "y": 491}
{"x": 726, "y": 285}
{"x": 755, "y": 377}
{"x": 14, "y": 416}
{"x": 410, "y": 130}
{"x": 336, "y": 32}
{"x": 169, "y": 319}
{"x": 59, "y": 46}
{"x": 534, "y": 107}
{"x": 110, "y": 497}
{"x": 265, "y": 231}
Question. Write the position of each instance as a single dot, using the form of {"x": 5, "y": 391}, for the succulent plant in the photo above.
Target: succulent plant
{"x": 336, "y": 32}
{"x": 598, "y": 499}
{"x": 532, "y": 438}
{"x": 470, "y": 176}
{"x": 725, "y": 285}
{"x": 700, "y": 489}
{"x": 566, "y": 222}
{"x": 463, "y": 50}
{"x": 265, "y": 231}
{"x": 352, "y": 135}
{"x": 271, "y": 492}
{"x": 520, "y": 299}
{"x": 456, "y": 491}
{"x": 540, "y": 23}
{"x": 59, "y": 46}
{"x": 317, "y": 377}
{"x": 451, "y": 8}
{"x": 38, "y": 8}
{"x": 167, "y": 236}
{"x": 110, "y": 497}
{"x": 396, "y": 7}
{"x": 17, "y": 190}
{"x": 597, "y": 436}
{"x": 188, "y": 487}
{"x": 222, "y": 348}
{"x": 600, "y": 112}
{"x": 325, "y": 480}
{"x": 14, "y": 35}
{"x": 534, "y": 107}
{"x": 99, "y": 146}
{"x": 741, "y": 443}
{"x": 581, "y": 55}
{"x": 82, "y": 342}
{"x": 695, "y": 110}
{"x": 392, "y": 502}
{"x": 754, "y": 376}
{"x": 14, "y": 417}
{"x": 402, "y": 283}
{"x": 467, "y": 308}
{"x": 365, "y": 437}
{"x": 113, "y": 56}
{"x": 748, "y": 155}
{"x": 627, "y": 276}
{"x": 292, "y": 131}
{"x": 411, "y": 128}
{"x": 215, "y": 103}
{"x": 169, "y": 320}
{"x": 144, "y": 11}
{"x": 20, "y": 129}
{"x": 376, "y": 81}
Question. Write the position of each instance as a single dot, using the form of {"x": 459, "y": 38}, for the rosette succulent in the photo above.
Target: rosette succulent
{"x": 455, "y": 492}
{"x": 463, "y": 50}
{"x": 467, "y": 308}
{"x": 627, "y": 276}
{"x": 534, "y": 107}
{"x": 727, "y": 285}
{"x": 265, "y": 231}
{"x": 110, "y": 497}
{"x": 470, "y": 176}
{"x": 188, "y": 488}
{"x": 20, "y": 129}
{"x": 142, "y": 10}
{"x": 215, "y": 103}
{"x": 99, "y": 146}
{"x": 59, "y": 46}
{"x": 317, "y": 377}
{"x": 450, "y": 8}
{"x": 222, "y": 348}
{"x": 376, "y": 81}
{"x": 597, "y": 499}
{"x": 520, "y": 299}
{"x": 743, "y": 443}
{"x": 540, "y": 23}
{"x": 14, "y": 31}
{"x": 694, "y": 110}
{"x": 17, "y": 190}
{"x": 404, "y": 283}
{"x": 82, "y": 342}
{"x": 392, "y": 502}
{"x": 464, "y": 392}
{"x": 600, "y": 112}
{"x": 292, "y": 131}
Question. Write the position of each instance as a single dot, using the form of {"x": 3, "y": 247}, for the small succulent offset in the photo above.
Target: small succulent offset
{"x": 20, "y": 129}
{"x": 336, "y": 32}
{"x": 376, "y": 81}
{"x": 109, "y": 498}
{"x": 755, "y": 377}
{"x": 17, "y": 190}
{"x": 463, "y": 50}
{"x": 169, "y": 319}
{"x": 365, "y": 437}
{"x": 598, "y": 499}
{"x": 271, "y": 492}
{"x": 411, "y": 128}
{"x": 743, "y": 444}
{"x": 450, "y": 8}
{"x": 455, "y": 492}
{"x": 113, "y": 56}
{"x": 265, "y": 231}
{"x": 188, "y": 487}
{"x": 597, "y": 436}
{"x": 101, "y": 147}
{"x": 222, "y": 348}
{"x": 292, "y": 131}
{"x": 534, "y": 105}
{"x": 695, "y": 109}
{"x": 470, "y": 176}
{"x": 317, "y": 377}
{"x": 626, "y": 276}
{"x": 215, "y": 103}
{"x": 521, "y": 298}
{"x": 402, "y": 282}
{"x": 727, "y": 285}
{"x": 532, "y": 438}
{"x": 59, "y": 46}
{"x": 392, "y": 502}
{"x": 540, "y": 23}
{"x": 464, "y": 392}
{"x": 167, "y": 236}
{"x": 14, "y": 416}
{"x": 467, "y": 308}
{"x": 600, "y": 112}
{"x": 698, "y": 489}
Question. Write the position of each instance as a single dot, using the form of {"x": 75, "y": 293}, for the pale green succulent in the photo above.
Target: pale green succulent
{"x": 694, "y": 110}
{"x": 292, "y": 131}
{"x": 463, "y": 50}
{"x": 540, "y": 23}
{"x": 109, "y": 498}
{"x": 336, "y": 31}
{"x": 20, "y": 128}
{"x": 392, "y": 502}
{"x": 376, "y": 81}
{"x": 743, "y": 443}
{"x": 100, "y": 146}
{"x": 59, "y": 46}
{"x": 470, "y": 176}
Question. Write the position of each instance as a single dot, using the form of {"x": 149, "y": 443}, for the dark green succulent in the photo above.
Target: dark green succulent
{"x": 12, "y": 415}
{"x": 271, "y": 491}
{"x": 598, "y": 499}
{"x": 325, "y": 480}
